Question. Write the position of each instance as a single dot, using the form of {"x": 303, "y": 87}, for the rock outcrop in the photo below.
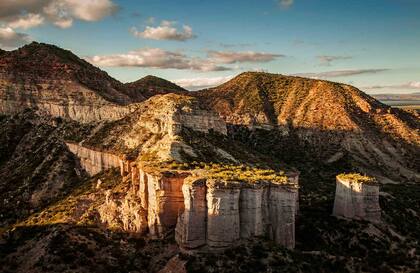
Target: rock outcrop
{"x": 207, "y": 214}
{"x": 357, "y": 199}
{"x": 219, "y": 214}
{"x": 154, "y": 132}
{"x": 93, "y": 161}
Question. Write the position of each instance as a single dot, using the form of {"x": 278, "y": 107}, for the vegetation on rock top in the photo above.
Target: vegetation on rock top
{"x": 357, "y": 177}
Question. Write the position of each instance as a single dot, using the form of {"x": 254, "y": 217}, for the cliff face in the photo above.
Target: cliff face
{"x": 218, "y": 214}
{"x": 357, "y": 200}
{"x": 209, "y": 214}
{"x": 94, "y": 161}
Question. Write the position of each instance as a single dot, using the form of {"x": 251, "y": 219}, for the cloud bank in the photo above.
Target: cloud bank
{"x": 11, "y": 39}
{"x": 156, "y": 58}
{"x": 415, "y": 85}
{"x": 194, "y": 84}
{"x": 327, "y": 60}
{"x": 339, "y": 73}
{"x": 31, "y": 13}
{"x": 230, "y": 57}
{"x": 165, "y": 31}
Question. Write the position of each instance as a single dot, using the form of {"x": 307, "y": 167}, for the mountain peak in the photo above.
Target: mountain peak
{"x": 149, "y": 86}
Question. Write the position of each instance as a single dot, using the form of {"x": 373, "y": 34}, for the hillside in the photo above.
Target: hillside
{"x": 36, "y": 168}
{"x": 57, "y": 82}
{"x": 150, "y": 85}
{"x": 325, "y": 119}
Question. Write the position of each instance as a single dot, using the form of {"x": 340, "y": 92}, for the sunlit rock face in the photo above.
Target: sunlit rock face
{"x": 93, "y": 161}
{"x": 67, "y": 109}
{"x": 219, "y": 214}
{"x": 357, "y": 200}
{"x": 164, "y": 201}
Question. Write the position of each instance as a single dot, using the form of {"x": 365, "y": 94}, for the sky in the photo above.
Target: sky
{"x": 371, "y": 44}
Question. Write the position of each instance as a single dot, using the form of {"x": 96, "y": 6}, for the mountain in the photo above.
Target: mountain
{"x": 57, "y": 82}
{"x": 325, "y": 119}
{"x": 415, "y": 97}
{"x": 150, "y": 85}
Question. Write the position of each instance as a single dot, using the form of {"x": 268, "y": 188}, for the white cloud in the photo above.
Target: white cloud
{"x": 286, "y": 3}
{"x": 165, "y": 31}
{"x": 339, "y": 73}
{"x": 230, "y": 57}
{"x": 62, "y": 13}
{"x": 410, "y": 85}
{"x": 201, "y": 83}
{"x": 11, "y": 39}
{"x": 26, "y": 21}
{"x": 327, "y": 60}
{"x": 155, "y": 58}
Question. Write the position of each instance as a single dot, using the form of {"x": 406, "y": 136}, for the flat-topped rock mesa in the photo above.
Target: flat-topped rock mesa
{"x": 218, "y": 214}
{"x": 207, "y": 213}
{"x": 357, "y": 197}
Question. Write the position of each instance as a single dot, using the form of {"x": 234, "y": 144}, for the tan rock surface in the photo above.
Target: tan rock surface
{"x": 94, "y": 161}
{"x": 357, "y": 200}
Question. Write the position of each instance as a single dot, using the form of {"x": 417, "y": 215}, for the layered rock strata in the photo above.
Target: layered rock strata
{"x": 66, "y": 109}
{"x": 218, "y": 214}
{"x": 357, "y": 200}
{"x": 207, "y": 214}
{"x": 92, "y": 161}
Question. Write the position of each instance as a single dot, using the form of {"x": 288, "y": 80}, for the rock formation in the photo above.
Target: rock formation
{"x": 357, "y": 198}
{"x": 219, "y": 214}
{"x": 209, "y": 214}
{"x": 94, "y": 161}
{"x": 154, "y": 130}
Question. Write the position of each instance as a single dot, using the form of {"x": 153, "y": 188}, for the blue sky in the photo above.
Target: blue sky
{"x": 372, "y": 44}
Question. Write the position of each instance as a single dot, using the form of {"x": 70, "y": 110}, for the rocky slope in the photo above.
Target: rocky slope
{"x": 154, "y": 131}
{"x": 149, "y": 86}
{"x": 57, "y": 82}
{"x": 325, "y": 120}
{"x": 36, "y": 167}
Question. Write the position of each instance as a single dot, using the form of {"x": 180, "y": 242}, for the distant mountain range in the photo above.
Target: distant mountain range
{"x": 398, "y": 97}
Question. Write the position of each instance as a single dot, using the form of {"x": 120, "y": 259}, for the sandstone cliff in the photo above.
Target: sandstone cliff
{"x": 218, "y": 214}
{"x": 209, "y": 214}
{"x": 94, "y": 161}
{"x": 357, "y": 199}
